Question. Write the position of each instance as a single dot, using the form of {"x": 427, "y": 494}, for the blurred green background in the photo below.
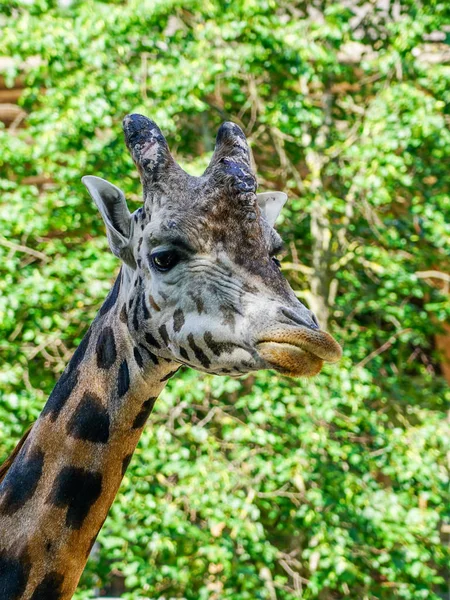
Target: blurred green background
{"x": 264, "y": 487}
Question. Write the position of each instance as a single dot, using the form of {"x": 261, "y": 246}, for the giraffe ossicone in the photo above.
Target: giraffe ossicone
{"x": 199, "y": 286}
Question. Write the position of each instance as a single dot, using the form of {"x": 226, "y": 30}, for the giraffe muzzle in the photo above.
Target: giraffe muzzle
{"x": 298, "y": 352}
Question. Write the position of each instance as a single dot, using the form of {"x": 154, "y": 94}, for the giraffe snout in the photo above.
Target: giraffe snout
{"x": 296, "y": 345}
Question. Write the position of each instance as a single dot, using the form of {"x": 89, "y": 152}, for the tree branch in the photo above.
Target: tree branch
{"x": 24, "y": 249}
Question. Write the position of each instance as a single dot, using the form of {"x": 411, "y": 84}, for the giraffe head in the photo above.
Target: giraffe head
{"x": 202, "y": 283}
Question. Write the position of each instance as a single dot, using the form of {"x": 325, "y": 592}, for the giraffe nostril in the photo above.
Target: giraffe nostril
{"x": 314, "y": 319}
{"x": 305, "y": 318}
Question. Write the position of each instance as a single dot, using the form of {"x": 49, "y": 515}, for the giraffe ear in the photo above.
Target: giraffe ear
{"x": 270, "y": 204}
{"x": 112, "y": 205}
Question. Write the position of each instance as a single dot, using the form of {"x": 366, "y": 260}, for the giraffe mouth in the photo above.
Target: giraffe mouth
{"x": 298, "y": 352}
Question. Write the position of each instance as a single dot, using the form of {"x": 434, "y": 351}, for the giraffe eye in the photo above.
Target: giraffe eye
{"x": 164, "y": 260}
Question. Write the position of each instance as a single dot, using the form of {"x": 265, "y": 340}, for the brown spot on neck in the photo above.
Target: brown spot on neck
{"x": 153, "y": 303}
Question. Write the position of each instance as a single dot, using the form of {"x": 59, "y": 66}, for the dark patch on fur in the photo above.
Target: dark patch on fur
{"x": 123, "y": 379}
{"x": 60, "y": 394}
{"x": 163, "y": 333}
{"x": 144, "y": 413}
{"x": 67, "y": 381}
{"x": 153, "y": 304}
{"x": 250, "y": 288}
{"x": 247, "y": 365}
{"x": 178, "y": 319}
{"x": 130, "y": 303}
{"x": 125, "y": 463}
{"x": 106, "y": 349}
{"x": 199, "y": 354}
{"x": 21, "y": 481}
{"x": 136, "y": 314}
{"x": 123, "y": 314}
{"x": 218, "y": 348}
{"x": 152, "y": 356}
{"x": 198, "y": 302}
{"x": 14, "y": 573}
{"x": 49, "y": 588}
{"x": 112, "y": 296}
{"x": 150, "y": 339}
{"x": 138, "y": 357}
{"x": 90, "y": 420}
{"x": 183, "y": 353}
{"x": 145, "y": 310}
{"x": 77, "y": 490}
{"x": 79, "y": 353}
{"x": 228, "y": 317}
{"x": 169, "y": 375}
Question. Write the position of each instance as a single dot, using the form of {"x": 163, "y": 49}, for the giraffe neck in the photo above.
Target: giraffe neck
{"x": 59, "y": 488}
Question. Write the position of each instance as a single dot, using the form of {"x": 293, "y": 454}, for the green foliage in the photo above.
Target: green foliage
{"x": 261, "y": 488}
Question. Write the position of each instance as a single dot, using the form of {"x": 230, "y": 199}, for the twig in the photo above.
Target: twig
{"x": 144, "y": 74}
{"x": 298, "y": 580}
{"x": 286, "y": 164}
{"x": 24, "y": 249}
{"x": 296, "y": 267}
{"x": 345, "y": 258}
{"x": 382, "y": 348}
{"x": 17, "y": 121}
{"x": 435, "y": 275}
{"x": 47, "y": 342}
{"x": 208, "y": 417}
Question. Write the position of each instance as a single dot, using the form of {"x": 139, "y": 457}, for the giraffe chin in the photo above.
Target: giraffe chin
{"x": 290, "y": 360}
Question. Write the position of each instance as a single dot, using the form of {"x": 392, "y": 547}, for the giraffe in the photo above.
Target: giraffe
{"x": 199, "y": 285}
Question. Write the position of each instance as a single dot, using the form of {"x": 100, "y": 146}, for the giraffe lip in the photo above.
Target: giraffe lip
{"x": 289, "y": 359}
{"x": 316, "y": 343}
